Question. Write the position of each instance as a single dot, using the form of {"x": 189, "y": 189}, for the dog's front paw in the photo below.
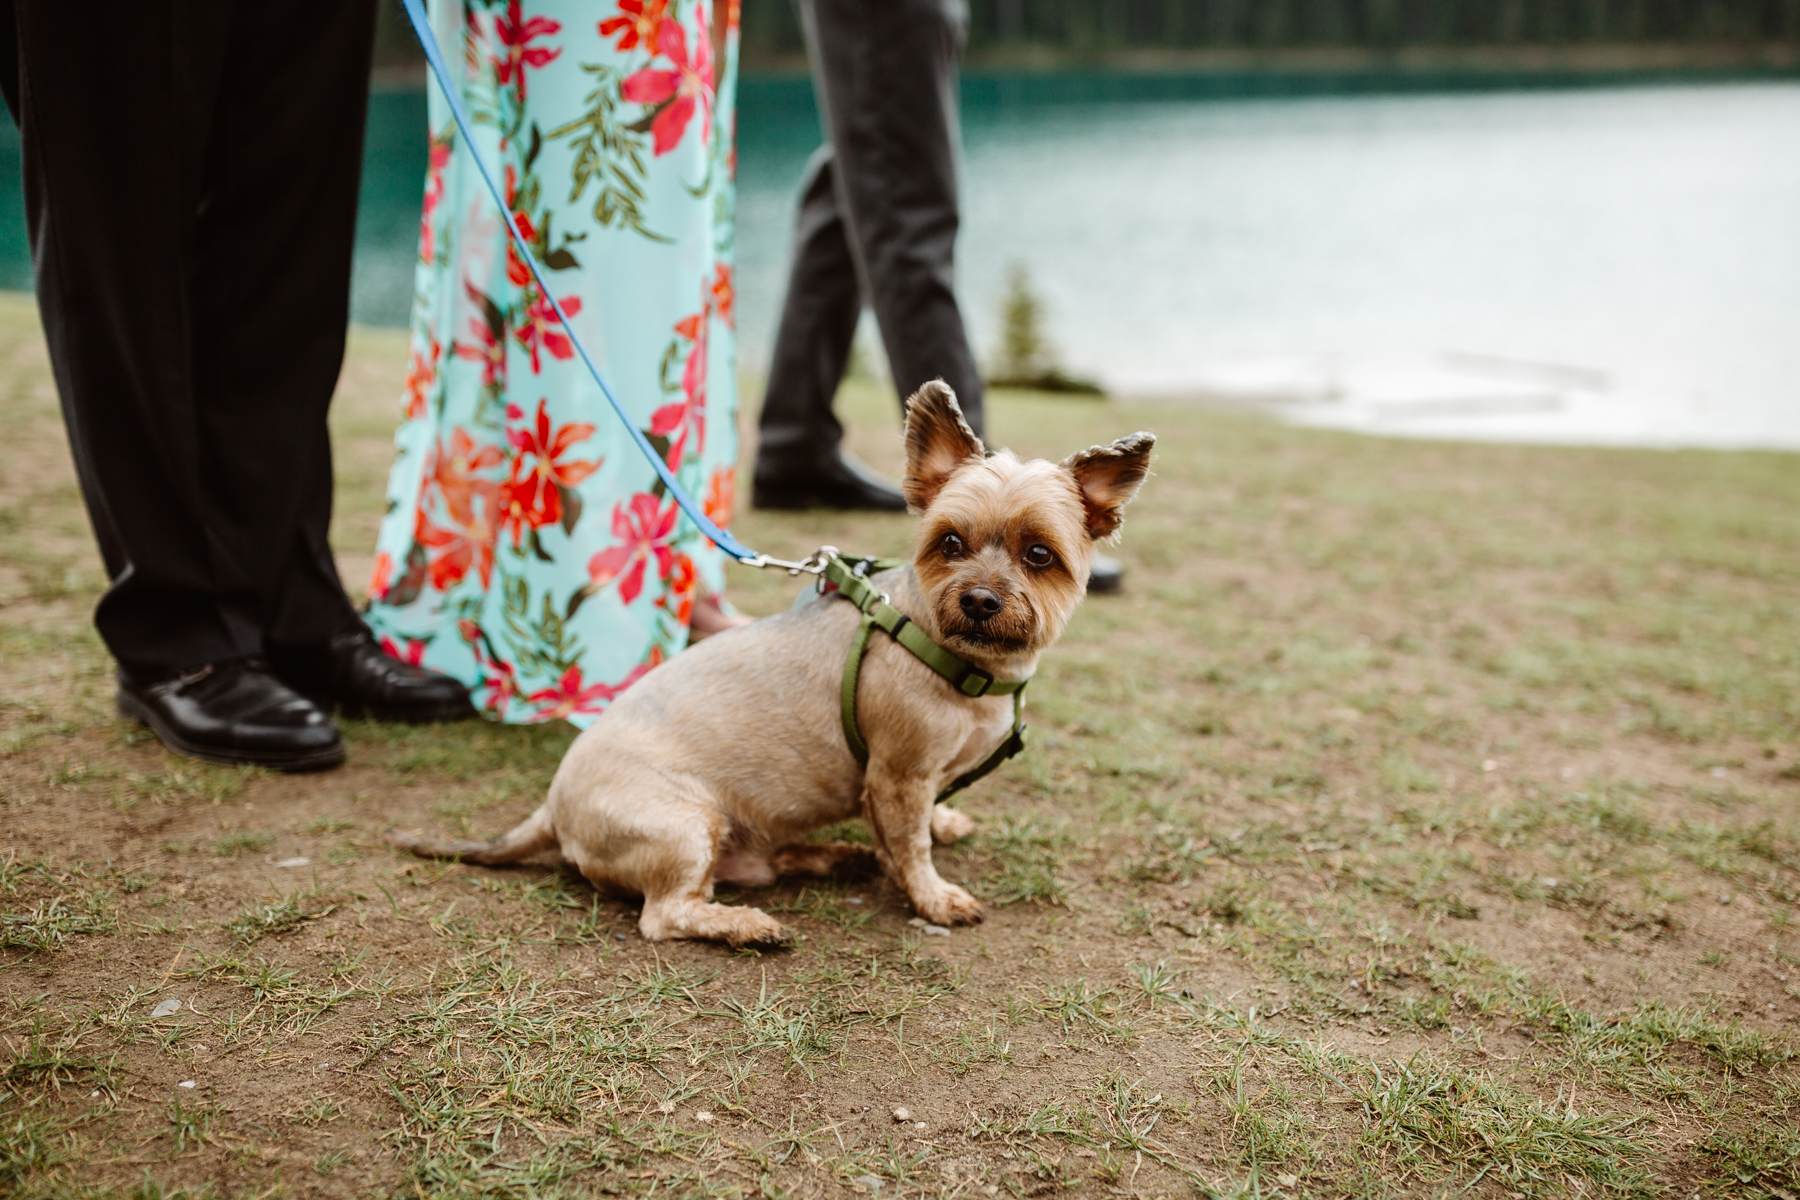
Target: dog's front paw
{"x": 949, "y": 906}
{"x": 948, "y": 825}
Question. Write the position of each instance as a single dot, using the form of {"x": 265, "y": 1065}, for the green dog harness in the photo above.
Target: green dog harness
{"x": 850, "y": 579}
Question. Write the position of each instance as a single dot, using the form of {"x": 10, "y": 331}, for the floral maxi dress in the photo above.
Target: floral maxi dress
{"x": 528, "y": 549}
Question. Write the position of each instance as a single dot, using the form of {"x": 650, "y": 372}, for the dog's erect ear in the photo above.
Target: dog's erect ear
{"x": 1109, "y": 476}
{"x": 938, "y": 441}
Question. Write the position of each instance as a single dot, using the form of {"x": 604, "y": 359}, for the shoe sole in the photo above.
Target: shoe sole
{"x": 440, "y": 714}
{"x": 293, "y": 763}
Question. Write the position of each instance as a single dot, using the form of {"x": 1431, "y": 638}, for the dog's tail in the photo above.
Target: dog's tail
{"x": 528, "y": 837}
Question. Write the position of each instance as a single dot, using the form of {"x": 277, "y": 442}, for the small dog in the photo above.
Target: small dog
{"x": 714, "y": 766}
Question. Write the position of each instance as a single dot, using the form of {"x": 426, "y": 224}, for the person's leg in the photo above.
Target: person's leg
{"x": 888, "y": 90}
{"x": 271, "y": 297}
{"x": 276, "y": 231}
{"x": 800, "y": 461}
{"x": 817, "y": 329}
{"x": 9, "y": 58}
{"x": 116, "y": 115}
{"x": 711, "y": 616}
{"x": 114, "y": 111}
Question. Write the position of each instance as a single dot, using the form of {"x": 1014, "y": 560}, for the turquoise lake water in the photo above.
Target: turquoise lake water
{"x": 1603, "y": 263}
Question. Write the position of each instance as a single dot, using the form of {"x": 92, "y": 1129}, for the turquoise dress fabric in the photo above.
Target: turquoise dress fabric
{"x": 528, "y": 550}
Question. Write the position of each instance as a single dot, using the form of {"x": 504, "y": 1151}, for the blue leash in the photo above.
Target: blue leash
{"x": 415, "y": 12}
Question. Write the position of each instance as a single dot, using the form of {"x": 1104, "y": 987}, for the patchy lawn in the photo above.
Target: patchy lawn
{"x": 1426, "y": 818}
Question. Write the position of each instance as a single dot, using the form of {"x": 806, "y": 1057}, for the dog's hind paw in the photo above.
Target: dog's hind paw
{"x": 760, "y": 931}
{"x": 705, "y": 921}
{"x": 951, "y": 906}
{"x": 949, "y": 825}
{"x": 829, "y": 860}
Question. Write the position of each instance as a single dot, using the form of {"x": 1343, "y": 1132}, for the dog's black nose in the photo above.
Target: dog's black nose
{"x": 979, "y": 603}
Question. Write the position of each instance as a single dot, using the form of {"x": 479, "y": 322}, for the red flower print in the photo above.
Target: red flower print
{"x": 516, "y": 269}
{"x": 516, "y": 35}
{"x": 643, "y": 532}
{"x": 472, "y": 41}
{"x": 461, "y": 547}
{"x": 525, "y": 505}
{"x": 466, "y": 540}
{"x": 487, "y": 328}
{"x": 687, "y": 416}
{"x": 419, "y": 378}
{"x": 571, "y": 696}
{"x": 636, "y": 24}
{"x": 382, "y": 577}
{"x": 533, "y": 495}
{"x": 721, "y": 496}
{"x": 723, "y": 298}
{"x": 548, "y": 444}
{"x": 541, "y": 329}
{"x": 501, "y": 686}
{"x": 683, "y": 583}
{"x": 454, "y": 472}
{"x": 414, "y": 652}
{"x": 498, "y": 676}
{"x": 434, "y": 196}
{"x": 677, "y": 421}
{"x": 693, "y": 375}
{"x": 677, "y": 92}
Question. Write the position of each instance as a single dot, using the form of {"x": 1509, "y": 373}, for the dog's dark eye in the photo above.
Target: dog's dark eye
{"x": 1039, "y": 555}
{"x": 952, "y": 546}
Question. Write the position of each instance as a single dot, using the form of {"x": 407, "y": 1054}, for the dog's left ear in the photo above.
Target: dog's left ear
{"x": 938, "y": 441}
{"x": 1109, "y": 476}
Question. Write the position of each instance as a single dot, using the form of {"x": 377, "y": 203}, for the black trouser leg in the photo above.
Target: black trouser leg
{"x": 115, "y": 112}
{"x": 9, "y": 59}
{"x": 817, "y": 330}
{"x": 272, "y": 295}
{"x": 886, "y": 79}
{"x": 151, "y": 136}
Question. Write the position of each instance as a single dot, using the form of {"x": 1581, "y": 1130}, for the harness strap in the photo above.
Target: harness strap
{"x": 1014, "y": 743}
{"x": 850, "y": 579}
{"x": 859, "y": 646}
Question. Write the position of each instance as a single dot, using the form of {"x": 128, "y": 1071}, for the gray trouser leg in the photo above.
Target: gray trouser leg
{"x": 878, "y": 218}
{"x": 818, "y": 326}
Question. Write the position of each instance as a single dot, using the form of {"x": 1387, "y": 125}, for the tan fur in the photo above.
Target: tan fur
{"x": 715, "y": 766}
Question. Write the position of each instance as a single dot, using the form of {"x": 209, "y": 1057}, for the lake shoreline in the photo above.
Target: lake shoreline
{"x": 1420, "y": 254}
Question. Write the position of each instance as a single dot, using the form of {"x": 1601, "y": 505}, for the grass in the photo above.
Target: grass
{"x": 1422, "y": 821}
{"x": 1765, "y": 1162}
{"x": 1426, "y": 1119}
{"x": 271, "y": 917}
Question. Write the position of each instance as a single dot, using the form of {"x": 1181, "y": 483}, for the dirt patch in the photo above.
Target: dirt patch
{"x": 1423, "y": 818}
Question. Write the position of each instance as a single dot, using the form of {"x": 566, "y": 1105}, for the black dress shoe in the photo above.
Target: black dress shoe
{"x": 235, "y": 712}
{"x": 1107, "y": 576}
{"x": 354, "y": 676}
{"x": 836, "y": 481}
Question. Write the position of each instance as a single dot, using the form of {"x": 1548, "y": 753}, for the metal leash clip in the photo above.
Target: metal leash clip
{"x": 812, "y": 564}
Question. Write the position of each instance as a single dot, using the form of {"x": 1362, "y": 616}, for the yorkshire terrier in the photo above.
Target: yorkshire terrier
{"x": 715, "y": 766}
